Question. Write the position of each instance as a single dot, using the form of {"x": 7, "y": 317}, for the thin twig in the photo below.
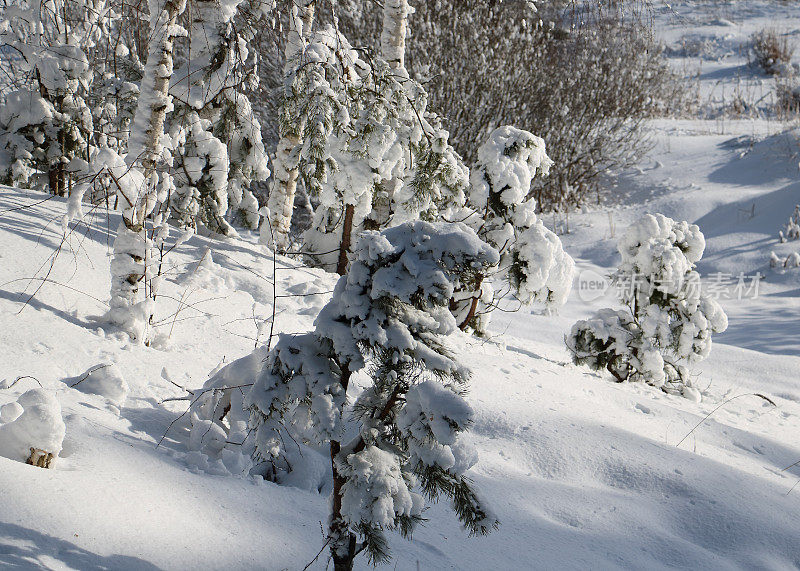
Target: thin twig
{"x": 759, "y": 395}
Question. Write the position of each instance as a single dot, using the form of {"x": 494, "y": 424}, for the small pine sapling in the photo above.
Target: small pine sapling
{"x": 667, "y": 323}
{"x": 532, "y": 258}
{"x": 389, "y": 316}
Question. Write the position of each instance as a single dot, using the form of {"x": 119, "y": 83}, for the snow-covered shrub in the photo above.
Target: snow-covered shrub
{"x": 790, "y": 261}
{"x": 668, "y": 321}
{"x": 792, "y": 229}
{"x": 31, "y": 426}
{"x": 772, "y": 51}
{"x": 388, "y": 317}
{"x": 218, "y": 437}
{"x": 504, "y": 215}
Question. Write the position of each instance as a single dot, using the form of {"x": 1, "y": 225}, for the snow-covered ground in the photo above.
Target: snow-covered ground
{"x": 582, "y": 472}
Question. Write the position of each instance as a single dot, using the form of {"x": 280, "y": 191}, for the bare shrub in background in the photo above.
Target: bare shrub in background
{"x": 787, "y": 98}
{"x": 584, "y": 78}
{"x": 772, "y": 52}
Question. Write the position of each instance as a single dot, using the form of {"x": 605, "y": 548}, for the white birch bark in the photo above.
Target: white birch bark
{"x": 130, "y": 307}
{"x": 393, "y": 35}
{"x": 393, "y": 51}
{"x": 284, "y": 182}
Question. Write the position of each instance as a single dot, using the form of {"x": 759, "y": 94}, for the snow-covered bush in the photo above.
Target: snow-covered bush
{"x": 218, "y": 438}
{"x": 32, "y": 427}
{"x": 772, "y": 51}
{"x": 790, "y": 261}
{"x": 402, "y": 440}
{"x": 504, "y": 215}
{"x": 792, "y": 229}
{"x": 668, "y": 321}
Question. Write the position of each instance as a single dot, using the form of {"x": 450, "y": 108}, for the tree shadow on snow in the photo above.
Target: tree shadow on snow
{"x": 756, "y": 163}
{"x": 25, "y": 548}
{"x": 35, "y": 303}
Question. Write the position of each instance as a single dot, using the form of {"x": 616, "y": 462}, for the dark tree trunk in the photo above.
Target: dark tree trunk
{"x": 347, "y": 236}
{"x": 342, "y": 541}
{"x": 473, "y": 305}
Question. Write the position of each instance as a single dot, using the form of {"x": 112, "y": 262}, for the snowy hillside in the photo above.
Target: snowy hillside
{"x": 581, "y": 472}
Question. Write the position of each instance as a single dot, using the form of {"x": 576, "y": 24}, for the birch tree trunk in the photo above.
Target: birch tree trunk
{"x": 138, "y": 189}
{"x": 393, "y": 36}
{"x": 284, "y": 183}
{"x": 393, "y": 50}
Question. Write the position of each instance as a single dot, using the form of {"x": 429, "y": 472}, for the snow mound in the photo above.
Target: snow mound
{"x": 35, "y": 423}
{"x": 105, "y": 380}
{"x": 206, "y": 275}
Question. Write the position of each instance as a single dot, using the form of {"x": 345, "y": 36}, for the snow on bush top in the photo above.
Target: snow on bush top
{"x": 510, "y": 159}
{"x": 661, "y": 249}
{"x": 105, "y": 380}
{"x": 35, "y": 422}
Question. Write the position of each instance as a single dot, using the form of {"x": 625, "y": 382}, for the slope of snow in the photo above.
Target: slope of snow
{"x": 580, "y": 471}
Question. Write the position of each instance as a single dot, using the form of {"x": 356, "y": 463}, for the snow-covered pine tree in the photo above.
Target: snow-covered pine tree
{"x": 321, "y": 97}
{"x": 201, "y": 175}
{"x": 49, "y": 42}
{"x": 667, "y": 323}
{"x": 356, "y": 129}
{"x": 504, "y": 214}
{"x": 26, "y": 135}
{"x": 388, "y": 315}
{"x": 143, "y": 187}
{"x": 219, "y": 147}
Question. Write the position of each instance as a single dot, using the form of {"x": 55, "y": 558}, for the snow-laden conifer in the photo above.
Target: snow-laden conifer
{"x": 201, "y": 176}
{"x": 48, "y": 45}
{"x": 370, "y": 152}
{"x": 668, "y": 321}
{"x": 533, "y": 260}
{"x": 220, "y": 151}
{"x": 401, "y": 441}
